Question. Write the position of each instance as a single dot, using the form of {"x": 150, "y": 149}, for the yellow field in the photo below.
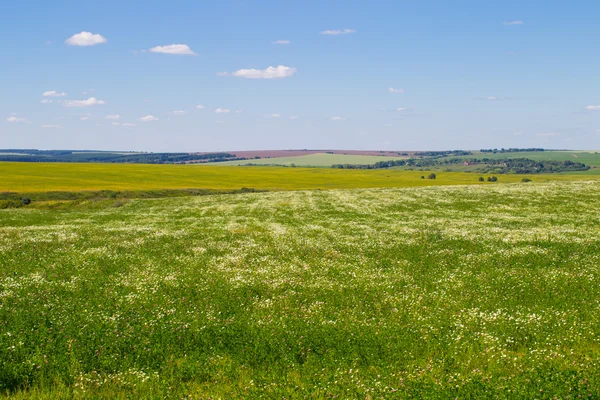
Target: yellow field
{"x": 38, "y": 177}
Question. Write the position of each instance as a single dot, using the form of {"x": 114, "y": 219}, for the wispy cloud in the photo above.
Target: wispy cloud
{"x": 124, "y": 124}
{"x": 338, "y": 32}
{"x": 274, "y": 116}
{"x": 548, "y": 134}
{"x": 113, "y": 117}
{"x": 178, "y": 112}
{"x": 51, "y": 126}
{"x": 294, "y": 117}
{"x": 14, "y": 119}
{"x": 281, "y": 42}
{"x": 518, "y": 22}
{"x": 85, "y": 39}
{"x": 394, "y": 90}
{"x": 337, "y": 118}
{"x": 278, "y": 72}
{"x": 177, "y": 49}
{"x": 400, "y": 109}
{"x": 46, "y": 101}
{"x": 200, "y": 107}
{"x": 222, "y": 110}
{"x": 593, "y": 108}
{"x": 53, "y": 93}
{"x": 148, "y": 118}
{"x": 92, "y": 101}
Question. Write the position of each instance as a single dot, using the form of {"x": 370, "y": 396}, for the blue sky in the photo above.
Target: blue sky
{"x": 467, "y": 74}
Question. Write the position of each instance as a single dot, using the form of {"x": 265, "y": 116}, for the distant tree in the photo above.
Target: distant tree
{"x": 293, "y": 165}
{"x": 26, "y": 201}
{"x": 525, "y": 180}
{"x": 494, "y": 179}
{"x": 431, "y": 176}
{"x": 481, "y": 179}
{"x": 489, "y": 178}
{"x": 422, "y": 177}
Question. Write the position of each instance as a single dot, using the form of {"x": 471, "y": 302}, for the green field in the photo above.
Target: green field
{"x": 436, "y": 292}
{"x": 313, "y": 160}
{"x": 40, "y": 177}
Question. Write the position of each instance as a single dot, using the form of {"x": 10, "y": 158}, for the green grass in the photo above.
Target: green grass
{"x": 437, "y": 292}
{"x": 313, "y": 160}
{"x": 73, "y": 177}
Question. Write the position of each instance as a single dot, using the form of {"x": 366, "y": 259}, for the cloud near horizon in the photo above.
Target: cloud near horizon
{"x": 148, "y": 118}
{"x": 14, "y": 119}
{"x": 335, "y": 32}
{"x": 85, "y": 39}
{"x": 53, "y": 93}
{"x": 177, "y": 49}
{"x": 92, "y": 101}
{"x": 281, "y": 71}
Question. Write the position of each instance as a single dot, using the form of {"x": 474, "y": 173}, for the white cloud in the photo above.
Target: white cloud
{"x": 46, "y": 101}
{"x": 222, "y": 111}
{"x": 513, "y": 22}
{"x": 294, "y": 117}
{"x": 85, "y": 39}
{"x": 84, "y": 118}
{"x": 593, "y": 108}
{"x": 53, "y": 93}
{"x": 51, "y": 126}
{"x": 492, "y": 98}
{"x": 274, "y": 116}
{"x": 219, "y": 121}
{"x": 400, "y": 109}
{"x": 200, "y": 107}
{"x": 92, "y": 101}
{"x": 281, "y": 42}
{"x": 124, "y": 124}
{"x": 393, "y": 90}
{"x": 148, "y": 118}
{"x": 337, "y": 118}
{"x": 338, "y": 32}
{"x": 177, "y": 49}
{"x": 280, "y": 71}
{"x": 178, "y": 112}
{"x": 548, "y": 134}
{"x": 13, "y": 119}
{"x": 113, "y": 117}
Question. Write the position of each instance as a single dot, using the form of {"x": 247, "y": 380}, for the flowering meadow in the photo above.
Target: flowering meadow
{"x": 435, "y": 292}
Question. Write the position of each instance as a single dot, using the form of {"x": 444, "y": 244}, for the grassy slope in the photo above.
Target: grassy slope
{"x": 440, "y": 292}
{"x": 314, "y": 160}
{"x": 38, "y": 177}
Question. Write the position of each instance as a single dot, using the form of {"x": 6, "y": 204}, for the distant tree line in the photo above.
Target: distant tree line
{"x": 504, "y": 166}
{"x": 445, "y": 153}
{"x": 31, "y": 155}
{"x": 511, "y": 150}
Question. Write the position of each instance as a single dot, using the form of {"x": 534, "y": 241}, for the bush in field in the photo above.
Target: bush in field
{"x": 481, "y": 179}
{"x": 432, "y": 176}
{"x": 494, "y": 179}
{"x": 26, "y": 201}
{"x": 525, "y": 180}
